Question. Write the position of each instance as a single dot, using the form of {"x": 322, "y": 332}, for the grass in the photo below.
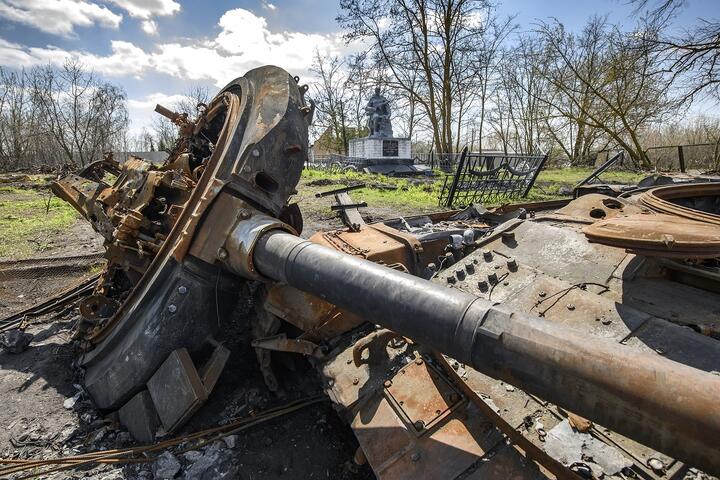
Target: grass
{"x": 554, "y": 183}
{"x": 28, "y": 223}
{"x": 423, "y": 195}
{"x": 571, "y": 176}
{"x": 407, "y": 194}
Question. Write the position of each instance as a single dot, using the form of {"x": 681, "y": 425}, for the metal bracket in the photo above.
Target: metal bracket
{"x": 281, "y": 343}
{"x": 376, "y": 344}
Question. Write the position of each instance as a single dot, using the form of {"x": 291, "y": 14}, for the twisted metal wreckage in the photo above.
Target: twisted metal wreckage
{"x": 467, "y": 344}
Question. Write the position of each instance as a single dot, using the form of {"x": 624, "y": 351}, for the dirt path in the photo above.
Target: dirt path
{"x": 318, "y": 216}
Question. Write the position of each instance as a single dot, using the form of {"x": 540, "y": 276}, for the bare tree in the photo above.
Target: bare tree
{"x": 194, "y": 97}
{"x": 693, "y": 56}
{"x": 624, "y": 92}
{"x": 142, "y": 142}
{"x": 427, "y": 47}
{"x": 164, "y": 132}
{"x": 519, "y": 117}
{"x": 487, "y": 65}
{"x": 360, "y": 79}
{"x": 84, "y": 115}
{"x": 567, "y": 122}
{"x": 337, "y": 109}
{"x": 18, "y": 121}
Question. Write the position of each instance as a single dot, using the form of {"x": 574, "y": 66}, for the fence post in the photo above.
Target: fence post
{"x": 456, "y": 179}
{"x": 681, "y": 158}
{"x": 535, "y": 175}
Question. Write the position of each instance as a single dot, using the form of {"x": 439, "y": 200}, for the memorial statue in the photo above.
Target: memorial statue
{"x": 378, "y": 111}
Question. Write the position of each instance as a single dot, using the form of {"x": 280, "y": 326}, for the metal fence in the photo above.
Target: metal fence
{"x": 440, "y": 161}
{"x": 482, "y": 177}
{"x": 336, "y": 162}
{"x": 704, "y": 157}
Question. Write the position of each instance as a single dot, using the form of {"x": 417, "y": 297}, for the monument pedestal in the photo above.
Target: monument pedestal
{"x": 381, "y": 151}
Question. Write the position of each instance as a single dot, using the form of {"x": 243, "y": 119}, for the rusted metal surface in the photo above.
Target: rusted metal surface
{"x": 593, "y": 207}
{"x": 658, "y": 235}
{"x": 412, "y": 419}
{"x": 130, "y": 214}
{"x": 602, "y": 291}
{"x": 532, "y": 451}
{"x": 281, "y": 343}
{"x": 377, "y": 243}
{"x": 179, "y": 299}
{"x": 695, "y": 201}
{"x": 518, "y": 348}
{"x": 322, "y": 320}
{"x": 422, "y": 407}
{"x": 678, "y": 221}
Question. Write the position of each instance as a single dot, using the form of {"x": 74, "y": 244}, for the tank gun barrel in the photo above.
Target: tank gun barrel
{"x": 663, "y": 404}
{"x": 167, "y": 113}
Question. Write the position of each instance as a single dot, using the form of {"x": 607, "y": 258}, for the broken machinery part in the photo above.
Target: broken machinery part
{"x": 225, "y": 189}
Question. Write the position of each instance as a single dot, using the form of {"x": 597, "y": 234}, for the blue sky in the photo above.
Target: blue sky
{"x": 156, "y": 49}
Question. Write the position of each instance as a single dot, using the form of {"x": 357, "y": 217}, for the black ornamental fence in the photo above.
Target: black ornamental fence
{"x": 490, "y": 177}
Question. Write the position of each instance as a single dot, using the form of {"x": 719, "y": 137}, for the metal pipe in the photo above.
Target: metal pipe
{"x": 598, "y": 171}
{"x": 663, "y": 404}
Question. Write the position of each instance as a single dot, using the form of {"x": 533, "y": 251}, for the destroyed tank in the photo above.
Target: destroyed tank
{"x": 565, "y": 339}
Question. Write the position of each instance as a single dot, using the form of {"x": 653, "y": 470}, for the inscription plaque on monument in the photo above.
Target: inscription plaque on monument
{"x": 390, "y": 148}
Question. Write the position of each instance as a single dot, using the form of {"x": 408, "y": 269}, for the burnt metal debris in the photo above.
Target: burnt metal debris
{"x": 455, "y": 345}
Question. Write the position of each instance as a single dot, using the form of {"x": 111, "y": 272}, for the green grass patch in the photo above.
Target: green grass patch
{"x": 383, "y": 191}
{"x": 413, "y": 194}
{"x": 571, "y": 176}
{"x": 15, "y": 190}
{"x": 28, "y": 224}
{"x": 556, "y": 183}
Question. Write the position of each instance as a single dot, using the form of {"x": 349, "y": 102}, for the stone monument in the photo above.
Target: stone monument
{"x": 382, "y": 151}
{"x": 378, "y": 112}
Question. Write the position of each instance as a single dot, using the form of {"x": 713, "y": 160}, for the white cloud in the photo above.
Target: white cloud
{"x": 246, "y": 38}
{"x": 244, "y": 42}
{"x": 14, "y": 55}
{"x": 125, "y": 60}
{"x": 59, "y": 17}
{"x": 142, "y": 111}
{"x": 149, "y": 27}
{"x": 148, "y": 103}
{"x": 148, "y": 8}
{"x": 269, "y": 6}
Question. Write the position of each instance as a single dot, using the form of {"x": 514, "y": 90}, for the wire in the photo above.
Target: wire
{"x": 565, "y": 291}
{"x": 130, "y": 455}
{"x": 502, "y": 277}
